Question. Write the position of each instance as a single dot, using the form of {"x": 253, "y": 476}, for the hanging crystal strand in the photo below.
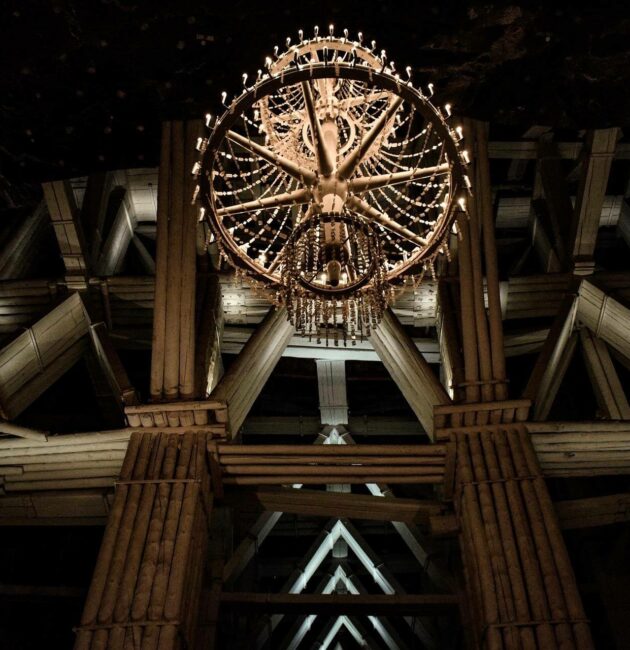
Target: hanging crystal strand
{"x": 336, "y": 330}
{"x": 318, "y": 313}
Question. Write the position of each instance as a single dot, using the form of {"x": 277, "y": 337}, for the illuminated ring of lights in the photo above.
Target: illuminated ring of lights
{"x": 346, "y": 290}
{"x": 372, "y": 78}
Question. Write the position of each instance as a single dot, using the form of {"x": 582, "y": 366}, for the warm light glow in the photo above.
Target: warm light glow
{"x": 330, "y": 181}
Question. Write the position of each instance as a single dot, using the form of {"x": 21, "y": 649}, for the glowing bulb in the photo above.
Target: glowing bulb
{"x": 430, "y": 87}
{"x": 462, "y": 203}
{"x": 223, "y": 97}
{"x": 447, "y": 108}
{"x": 208, "y": 119}
{"x": 300, "y": 35}
{"x": 316, "y": 31}
{"x": 331, "y": 29}
{"x": 459, "y": 131}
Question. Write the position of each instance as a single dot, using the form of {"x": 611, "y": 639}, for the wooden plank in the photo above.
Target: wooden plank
{"x": 610, "y": 394}
{"x": 337, "y": 504}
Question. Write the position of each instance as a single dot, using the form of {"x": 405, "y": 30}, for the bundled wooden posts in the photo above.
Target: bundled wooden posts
{"x": 520, "y": 583}
{"x": 147, "y": 582}
{"x": 173, "y": 366}
{"x": 331, "y": 464}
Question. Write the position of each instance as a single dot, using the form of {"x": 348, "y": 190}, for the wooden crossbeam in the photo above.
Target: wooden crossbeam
{"x": 339, "y": 504}
{"x": 593, "y": 511}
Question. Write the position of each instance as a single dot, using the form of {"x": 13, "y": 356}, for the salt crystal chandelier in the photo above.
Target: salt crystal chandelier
{"x": 330, "y": 181}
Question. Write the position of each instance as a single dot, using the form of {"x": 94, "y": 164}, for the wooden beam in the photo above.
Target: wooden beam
{"x": 573, "y": 449}
{"x": 331, "y": 381}
{"x": 21, "y": 251}
{"x": 65, "y": 220}
{"x": 610, "y": 394}
{"x": 553, "y": 360}
{"x": 412, "y": 374}
{"x": 246, "y": 377}
{"x": 339, "y": 504}
{"x": 111, "y": 365}
{"x": 38, "y": 357}
{"x": 600, "y": 151}
{"x": 145, "y": 257}
{"x": 605, "y": 316}
{"x": 593, "y": 511}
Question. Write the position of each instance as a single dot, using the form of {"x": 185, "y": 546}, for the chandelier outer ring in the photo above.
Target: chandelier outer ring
{"x": 339, "y": 70}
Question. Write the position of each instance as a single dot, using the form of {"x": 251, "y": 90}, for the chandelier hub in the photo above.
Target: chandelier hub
{"x": 331, "y": 181}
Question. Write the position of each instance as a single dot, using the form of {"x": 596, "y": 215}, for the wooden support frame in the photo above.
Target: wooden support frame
{"x": 553, "y": 360}
{"x": 609, "y": 392}
{"x": 65, "y": 219}
{"x": 420, "y": 387}
{"x": 600, "y": 150}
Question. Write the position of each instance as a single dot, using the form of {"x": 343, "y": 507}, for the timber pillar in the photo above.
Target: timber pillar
{"x": 521, "y": 589}
{"x": 147, "y": 582}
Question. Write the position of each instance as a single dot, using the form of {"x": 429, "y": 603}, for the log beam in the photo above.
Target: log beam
{"x": 600, "y": 150}
{"x": 412, "y": 374}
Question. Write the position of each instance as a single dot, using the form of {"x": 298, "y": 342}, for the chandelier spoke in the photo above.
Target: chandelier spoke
{"x": 366, "y": 210}
{"x": 356, "y": 188}
{"x": 354, "y": 159}
{"x": 364, "y": 183}
{"x": 296, "y": 197}
{"x": 293, "y": 169}
{"x": 325, "y": 157}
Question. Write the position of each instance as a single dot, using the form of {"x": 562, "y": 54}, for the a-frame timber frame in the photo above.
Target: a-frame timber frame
{"x": 166, "y": 576}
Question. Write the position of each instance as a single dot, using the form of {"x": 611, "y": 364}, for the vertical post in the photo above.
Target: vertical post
{"x": 173, "y": 365}
{"x": 146, "y": 585}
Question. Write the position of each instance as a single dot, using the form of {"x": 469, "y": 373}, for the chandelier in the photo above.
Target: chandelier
{"x": 330, "y": 181}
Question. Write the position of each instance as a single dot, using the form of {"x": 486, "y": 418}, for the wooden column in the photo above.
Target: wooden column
{"x": 413, "y": 375}
{"x": 520, "y": 584}
{"x": 147, "y": 582}
{"x": 245, "y": 378}
{"x": 173, "y": 359}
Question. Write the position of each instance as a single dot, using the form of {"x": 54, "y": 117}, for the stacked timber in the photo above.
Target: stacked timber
{"x": 330, "y": 464}
{"x": 582, "y": 448}
{"x": 208, "y": 416}
{"x": 39, "y": 356}
{"x": 147, "y": 582}
{"x": 22, "y": 301}
{"x": 69, "y": 462}
{"x": 520, "y": 583}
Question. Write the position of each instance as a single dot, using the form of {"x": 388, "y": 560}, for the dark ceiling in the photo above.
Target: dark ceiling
{"x": 85, "y": 83}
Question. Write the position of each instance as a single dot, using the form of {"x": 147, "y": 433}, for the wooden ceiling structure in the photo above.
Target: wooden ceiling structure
{"x": 474, "y": 466}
